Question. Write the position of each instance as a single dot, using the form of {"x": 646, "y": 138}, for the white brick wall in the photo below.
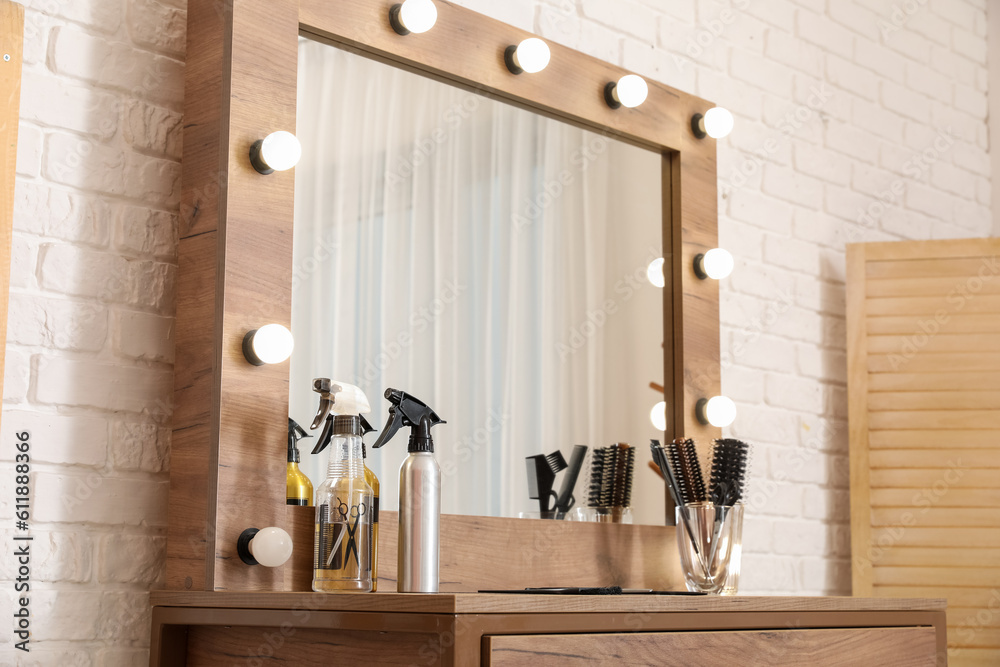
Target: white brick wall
{"x": 88, "y": 360}
{"x": 90, "y": 345}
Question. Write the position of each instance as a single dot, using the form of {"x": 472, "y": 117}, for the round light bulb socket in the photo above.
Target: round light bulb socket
{"x": 248, "y": 351}
{"x": 257, "y": 158}
{"x": 700, "y": 409}
{"x": 396, "y": 22}
{"x": 699, "y": 266}
{"x": 243, "y": 546}
{"x": 610, "y": 96}
{"x": 511, "y": 61}
{"x": 698, "y": 126}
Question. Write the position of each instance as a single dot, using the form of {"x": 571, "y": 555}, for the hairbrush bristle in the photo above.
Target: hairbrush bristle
{"x": 621, "y": 493}
{"x": 729, "y": 468}
{"x": 596, "y": 492}
{"x": 683, "y": 459}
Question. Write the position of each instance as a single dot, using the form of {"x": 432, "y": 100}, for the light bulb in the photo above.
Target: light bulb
{"x": 413, "y": 16}
{"x": 718, "y": 411}
{"x": 270, "y": 547}
{"x": 531, "y": 56}
{"x": 630, "y": 91}
{"x": 654, "y": 272}
{"x": 718, "y": 122}
{"x": 717, "y": 263}
{"x": 658, "y": 415}
{"x": 271, "y": 344}
{"x": 278, "y": 151}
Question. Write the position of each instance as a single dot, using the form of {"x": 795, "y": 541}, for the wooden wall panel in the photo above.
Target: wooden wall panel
{"x": 923, "y": 353}
{"x": 11, "y": 45}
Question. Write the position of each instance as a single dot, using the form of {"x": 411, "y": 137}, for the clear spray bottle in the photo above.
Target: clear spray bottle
{"x": 344, "y": 501}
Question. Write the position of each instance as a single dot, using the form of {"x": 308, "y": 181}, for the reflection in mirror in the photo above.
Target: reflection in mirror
{"x": 488, "y": 260}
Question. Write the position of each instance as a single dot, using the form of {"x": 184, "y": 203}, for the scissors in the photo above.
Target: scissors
{"x": 354, "y": 512}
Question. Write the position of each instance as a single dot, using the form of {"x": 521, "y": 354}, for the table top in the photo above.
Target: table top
{"x": 493, "y": 603}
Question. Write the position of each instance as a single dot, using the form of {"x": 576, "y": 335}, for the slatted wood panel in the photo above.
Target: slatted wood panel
{"x": 924, "y": 401}
{"x": 11, "y": 41}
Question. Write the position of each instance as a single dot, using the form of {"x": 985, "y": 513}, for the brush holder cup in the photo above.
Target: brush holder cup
{"x": 709, "y": 538}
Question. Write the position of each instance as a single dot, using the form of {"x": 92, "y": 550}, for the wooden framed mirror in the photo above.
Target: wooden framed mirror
{"x": 235, "y": 257}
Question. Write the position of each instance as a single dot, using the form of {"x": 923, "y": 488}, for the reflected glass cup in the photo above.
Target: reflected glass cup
{"x": 708, "y": 537}
{"x": 608, "y": 514}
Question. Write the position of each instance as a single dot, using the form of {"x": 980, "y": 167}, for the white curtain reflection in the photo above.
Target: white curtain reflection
{"x": 456, "y": 248}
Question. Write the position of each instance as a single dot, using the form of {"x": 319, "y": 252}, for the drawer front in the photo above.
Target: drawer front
{"x": 902, "y": 647}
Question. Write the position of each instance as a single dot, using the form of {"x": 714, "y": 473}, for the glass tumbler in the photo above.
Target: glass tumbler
{"x": 708, "y": 537}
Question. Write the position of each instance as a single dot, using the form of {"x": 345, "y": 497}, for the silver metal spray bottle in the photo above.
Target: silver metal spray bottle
{"x": 419, "y": 494}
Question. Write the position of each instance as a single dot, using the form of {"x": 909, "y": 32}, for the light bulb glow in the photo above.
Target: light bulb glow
{"x": 418, "y": 15}
{"x": 654, "y": 272}
{"x": 532, "y": 55}
{"x": 658, "y": 415}
{"x": 271, "y": 547}
{"x": 718, "y": 122}
{"x": 720, "y": 411}
{"x": 271, "y": 344}
{"x": 281, "y": 151}
{"x": 631, "y": 90}
{"x": 716, "y": 264}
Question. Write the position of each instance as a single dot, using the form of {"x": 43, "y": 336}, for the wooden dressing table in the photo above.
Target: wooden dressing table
{"x": 197, "y": 629}
{"x": 235, "y": 274}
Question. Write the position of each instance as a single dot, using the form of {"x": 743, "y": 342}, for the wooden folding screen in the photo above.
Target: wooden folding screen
{"x": 11, "y": 44}
{"x": 923, "y": 324}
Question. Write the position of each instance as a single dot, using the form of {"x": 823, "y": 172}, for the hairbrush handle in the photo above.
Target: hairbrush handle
{"x": 566, "y": 499}
{"x": 661, "y": 459}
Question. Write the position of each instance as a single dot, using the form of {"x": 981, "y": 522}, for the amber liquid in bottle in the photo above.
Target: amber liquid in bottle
{"x": 342, "y": 558}
{"x": 372, "y": 481}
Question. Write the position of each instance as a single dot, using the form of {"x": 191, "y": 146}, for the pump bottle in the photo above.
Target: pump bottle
{"x": 419, "y": 494}
{"x": 342, "y": 558}
{"x": 298, "y": 488}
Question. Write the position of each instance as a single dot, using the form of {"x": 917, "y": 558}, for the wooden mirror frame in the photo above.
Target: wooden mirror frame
{"x": 235, "y": 254}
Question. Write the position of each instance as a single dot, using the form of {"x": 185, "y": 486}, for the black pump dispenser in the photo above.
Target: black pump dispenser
{"x": 295, "y": 433}
{"x": 409, "y": 411}
{"x": 353, "y": 424}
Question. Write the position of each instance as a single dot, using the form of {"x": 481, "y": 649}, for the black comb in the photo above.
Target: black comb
{"x": 729, "y": 468}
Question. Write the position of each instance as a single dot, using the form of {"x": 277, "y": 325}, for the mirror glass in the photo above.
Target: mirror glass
{"x": 488, "y": 260}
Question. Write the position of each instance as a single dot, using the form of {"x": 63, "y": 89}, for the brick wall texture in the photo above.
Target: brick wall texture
{"x": 857, "y": 120}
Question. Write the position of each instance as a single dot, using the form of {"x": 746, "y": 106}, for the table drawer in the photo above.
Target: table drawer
{"x": 902, "y": 647}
